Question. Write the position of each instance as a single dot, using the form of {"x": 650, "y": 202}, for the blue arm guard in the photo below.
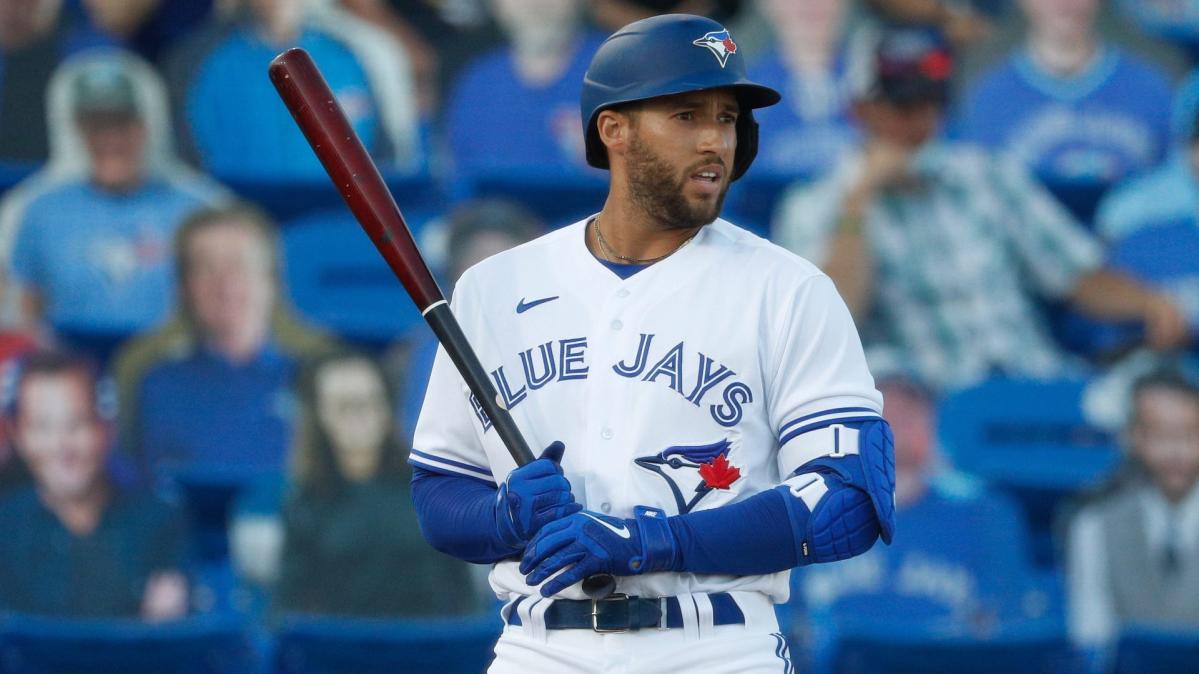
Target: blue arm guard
{"x": 844, "y": 500}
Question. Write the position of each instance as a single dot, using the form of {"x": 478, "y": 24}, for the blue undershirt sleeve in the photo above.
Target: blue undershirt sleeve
{"x": 457, "y": 516}
{"x": 751, "y": 537}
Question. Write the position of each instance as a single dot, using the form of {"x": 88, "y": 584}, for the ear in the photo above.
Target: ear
{"x": 614, "y": 131}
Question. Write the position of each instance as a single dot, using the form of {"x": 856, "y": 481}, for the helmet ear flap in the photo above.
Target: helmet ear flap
{"x": 747, "y": 144}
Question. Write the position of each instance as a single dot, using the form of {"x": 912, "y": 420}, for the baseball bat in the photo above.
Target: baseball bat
{"x": 307, "y": 95}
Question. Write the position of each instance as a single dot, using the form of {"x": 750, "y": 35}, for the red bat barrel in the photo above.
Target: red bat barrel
{"x": 305, "y": 92}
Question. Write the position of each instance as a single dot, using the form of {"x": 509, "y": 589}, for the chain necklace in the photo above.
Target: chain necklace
{"x": 607, "y": 251}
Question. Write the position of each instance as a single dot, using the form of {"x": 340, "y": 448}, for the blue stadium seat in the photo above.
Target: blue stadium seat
{"x": 1161, "y": 255}
{"x": 31, "y": 645}
{"x": 315, "y": 645}
{"x": 752, "y": 200}
{"x": 338, "y": 280}
{"x": 556, "y": 198}
{"x": 1080, "y": 198}
{"x": 13, "y": 172}
{"x": 1029, "y": 438}
{"x": 897, "y": 649}
{"x": 1146, "y": 650}
{"x": 289, "y": 199}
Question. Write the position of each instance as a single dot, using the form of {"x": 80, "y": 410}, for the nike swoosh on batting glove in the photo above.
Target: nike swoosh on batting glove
{"x": 587, "y": 543}
{"x": 532, "y": 496}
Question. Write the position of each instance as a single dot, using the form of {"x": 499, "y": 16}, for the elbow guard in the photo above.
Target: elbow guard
{"x": 844, "y": 499}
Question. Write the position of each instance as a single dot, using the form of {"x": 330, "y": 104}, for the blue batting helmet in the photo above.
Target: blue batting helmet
{"x": 664, "y": 55}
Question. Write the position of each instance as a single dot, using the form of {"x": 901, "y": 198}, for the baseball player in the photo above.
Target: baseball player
{"x": 701, "y": 394}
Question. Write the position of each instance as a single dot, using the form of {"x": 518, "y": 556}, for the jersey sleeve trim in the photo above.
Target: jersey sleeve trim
{"x": 822, "y": 438}
{"x": 789, "y": 430}
{"x": 449, "y": 466}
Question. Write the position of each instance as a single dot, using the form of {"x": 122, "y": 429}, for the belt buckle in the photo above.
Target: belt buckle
{"x": 595, "y": 614}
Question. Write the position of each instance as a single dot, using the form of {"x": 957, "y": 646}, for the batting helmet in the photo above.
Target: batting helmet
{"x": 664, "y": 55}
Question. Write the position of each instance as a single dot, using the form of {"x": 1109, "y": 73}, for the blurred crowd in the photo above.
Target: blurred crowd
{"x": 209, "y": 380}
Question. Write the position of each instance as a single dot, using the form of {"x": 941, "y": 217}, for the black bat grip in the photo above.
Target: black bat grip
{"x": 449, "y": 333}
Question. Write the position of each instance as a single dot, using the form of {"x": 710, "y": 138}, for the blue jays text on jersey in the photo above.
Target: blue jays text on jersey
{"x": 566, "y": 359}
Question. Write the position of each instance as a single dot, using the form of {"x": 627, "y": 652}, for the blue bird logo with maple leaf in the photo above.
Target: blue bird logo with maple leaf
{"x": 692, "y": 471}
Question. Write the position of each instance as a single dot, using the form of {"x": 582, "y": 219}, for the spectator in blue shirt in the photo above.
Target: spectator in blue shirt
{"x": 811, "y": 63}
{"x": 1151, "y": 227}
{"x": 240, "y": 130}
{"x": 960, "y": 566}
{"x": 1080, "y": 113}
{"x": 209, "y": 395}
{"x": 74, "y": 543}
{"x": 517, "y": 108}
{"x": 91, "y": 234}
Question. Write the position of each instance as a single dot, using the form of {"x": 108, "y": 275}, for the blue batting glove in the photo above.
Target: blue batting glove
{"x": 532, "y": 496}
{"x": 587, "y": 543}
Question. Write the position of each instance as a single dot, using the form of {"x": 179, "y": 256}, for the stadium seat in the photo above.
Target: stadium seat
{"x": 1080, "y": 198}
{"x": 1035, "y": 648}
{"x": 338, "y": 279}
{"x": 13, "y": 172}
{"x": 31, "y": 645}
{"x": 1146, "y": 650}
{"x": 557, "y": 199}
{"x": 287, "y": 199}
{"x": 1161, "y": 255}
{"x": 1029, "y": 438}
{"x": 312, "y": 645}
{"x": 752, "y": 200}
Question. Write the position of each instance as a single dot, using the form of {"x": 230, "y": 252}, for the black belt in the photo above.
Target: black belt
{"x": 621, "y": 613}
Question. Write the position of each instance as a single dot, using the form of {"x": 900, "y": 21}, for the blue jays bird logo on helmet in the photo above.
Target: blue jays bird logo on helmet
{"x": 692, "y": 471}
{"x": 719, "y": 43}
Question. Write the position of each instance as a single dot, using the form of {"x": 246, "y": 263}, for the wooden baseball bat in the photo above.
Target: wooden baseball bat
{"x": 321, "y": 119}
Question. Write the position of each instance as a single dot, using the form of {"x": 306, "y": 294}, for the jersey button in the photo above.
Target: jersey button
{"x": 623, "y": 292}
{"x": 606, "y": 507}
{"x": 606, "y": 434}
{"x": 616, "y": 324}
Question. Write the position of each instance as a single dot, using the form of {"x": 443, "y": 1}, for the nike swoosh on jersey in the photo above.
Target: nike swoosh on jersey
{"x": 621, "y": 531}
{"x": 523, "y": 306}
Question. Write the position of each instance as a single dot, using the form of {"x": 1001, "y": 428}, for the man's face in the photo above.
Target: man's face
{"x": 912, "y": 421}
{"x": 351, "y": 404}
{"x": 680, "y": 156}
{"x": 537, "y": 22}
{"x": 1165, "y": 437}
{"x": 115, "y": 145}
{"x": 229, "y": 283}
{"x": 810, "y": 14}
{"x": 1061, "y": 17}
{"x": 59, "y": 435}
{"x": 910, "y": 125}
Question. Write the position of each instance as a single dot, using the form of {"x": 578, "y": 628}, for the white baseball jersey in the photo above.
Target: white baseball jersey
{"x": 684, "y": 387}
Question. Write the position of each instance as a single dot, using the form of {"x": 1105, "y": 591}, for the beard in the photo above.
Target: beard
{"x": 659, "y": 191}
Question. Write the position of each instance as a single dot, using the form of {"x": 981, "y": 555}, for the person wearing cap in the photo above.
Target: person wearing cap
{"x": 1133, "y": 547}
{"x": 941, "y": 251}
{"x": 90, "y": 235}
{"x": 706, "y": 413}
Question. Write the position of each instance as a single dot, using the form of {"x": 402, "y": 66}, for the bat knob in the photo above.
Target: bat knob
{"x": 599, "y": 586}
